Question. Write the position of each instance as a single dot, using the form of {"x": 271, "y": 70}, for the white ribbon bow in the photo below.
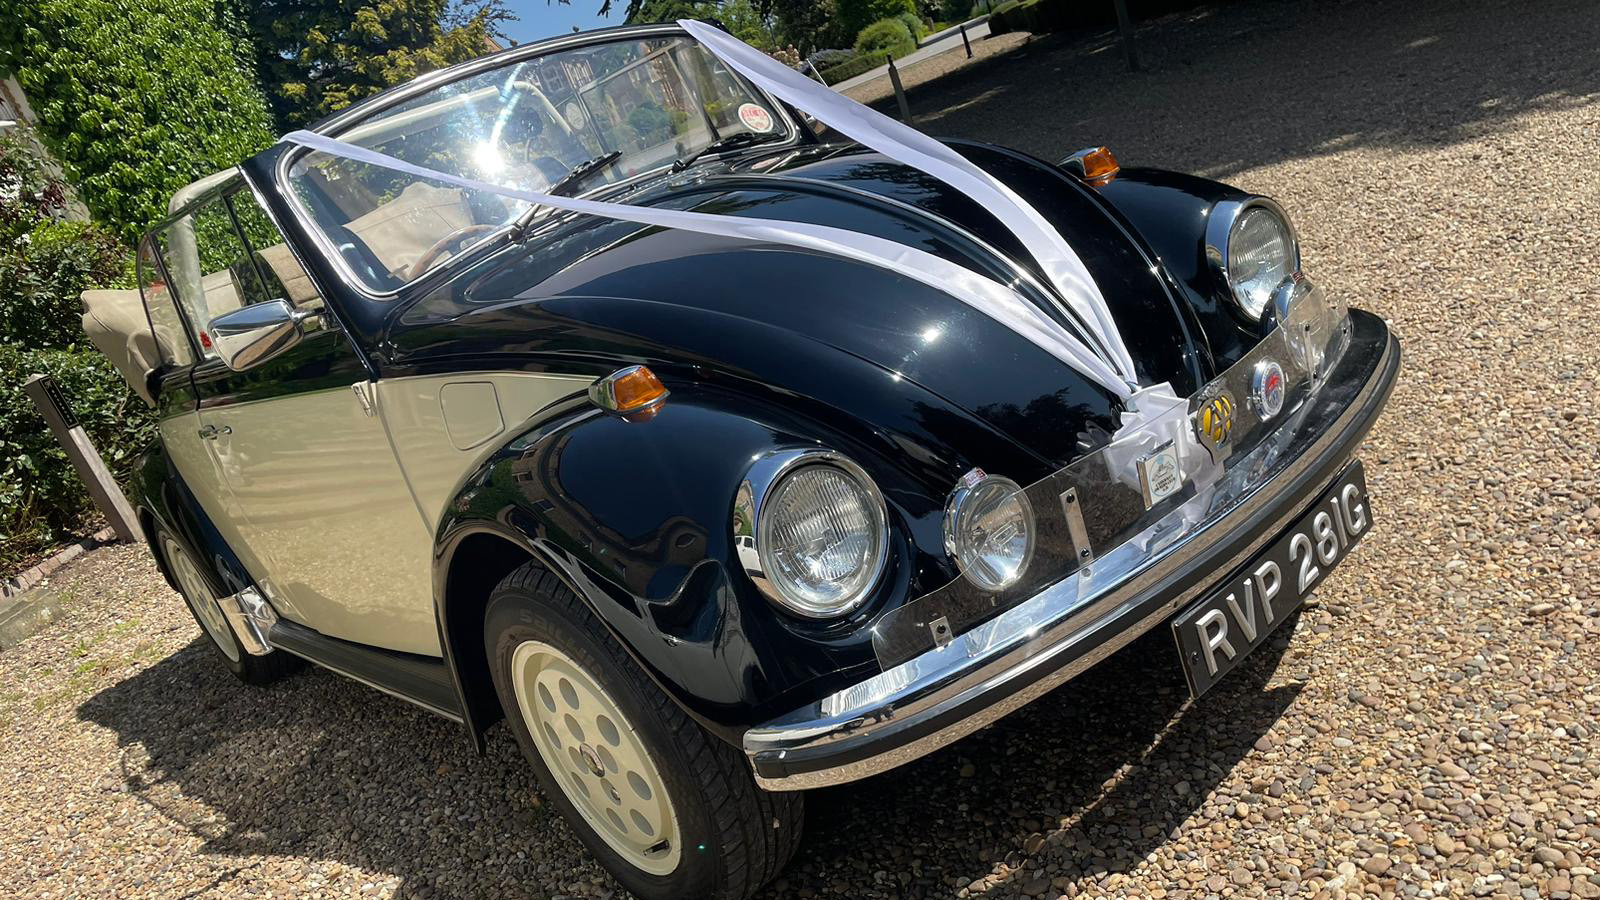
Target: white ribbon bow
{"x": 907, "y": 145}
{"x": 982, "y": 293}
{"x": 1108, "y": 365}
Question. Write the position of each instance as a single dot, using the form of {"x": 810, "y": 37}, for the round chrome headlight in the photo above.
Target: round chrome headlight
{"x": 988, "y": 529}
{"x": 821, "y": 532}
{"x": 1253, "y": 246}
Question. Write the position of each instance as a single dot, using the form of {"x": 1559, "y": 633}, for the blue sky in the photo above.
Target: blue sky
{"x": 541, "y": 19}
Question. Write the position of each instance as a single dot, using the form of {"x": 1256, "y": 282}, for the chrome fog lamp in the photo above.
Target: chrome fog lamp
{"x": 818, "y": 533}
{"x": 1253, "y": 249}
{"x": 989, "y": 530}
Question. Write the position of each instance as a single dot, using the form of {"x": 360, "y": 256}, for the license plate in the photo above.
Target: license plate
{"x": 1216, "y": 633}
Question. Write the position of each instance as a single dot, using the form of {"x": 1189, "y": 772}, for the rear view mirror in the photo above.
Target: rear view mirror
{"x": 254, "y": 334}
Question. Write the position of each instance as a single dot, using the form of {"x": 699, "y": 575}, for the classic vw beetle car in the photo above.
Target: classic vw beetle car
{"x": 708, "y": 520}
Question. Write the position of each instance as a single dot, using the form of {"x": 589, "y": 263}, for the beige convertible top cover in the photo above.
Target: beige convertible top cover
{"x": 115, "y": 322}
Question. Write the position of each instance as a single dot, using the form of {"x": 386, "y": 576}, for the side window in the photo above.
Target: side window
{"x": 281, "y": 274}
{"x": 159, "y": 304}
{"x": 214, "y": 273}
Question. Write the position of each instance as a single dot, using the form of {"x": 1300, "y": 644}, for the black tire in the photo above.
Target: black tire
{"x": 747, "y": 834}
{"x": 246, "y": 667}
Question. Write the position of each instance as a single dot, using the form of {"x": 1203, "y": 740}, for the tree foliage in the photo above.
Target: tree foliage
{"x": 136, "y": 98}
{"x": 319, "y": 56}
{"x": 740, "y": 17}
{"x": 886, "y": 36}
{"x": 854, "y": 15}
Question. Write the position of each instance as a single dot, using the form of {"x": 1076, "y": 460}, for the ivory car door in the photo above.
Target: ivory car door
{"x": 176, "y": 411}
{"x": 322, "y": 504}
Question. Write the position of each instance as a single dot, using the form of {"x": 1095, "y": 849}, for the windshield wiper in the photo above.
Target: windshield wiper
{"x": 742, "y": 139}
{"x": 579, "y": 172}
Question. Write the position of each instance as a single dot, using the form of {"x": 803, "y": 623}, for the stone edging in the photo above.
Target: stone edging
{"x": 27, "y": 578}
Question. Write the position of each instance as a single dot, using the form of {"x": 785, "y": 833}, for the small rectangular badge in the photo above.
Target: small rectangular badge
{"x": 1159, "y": 474}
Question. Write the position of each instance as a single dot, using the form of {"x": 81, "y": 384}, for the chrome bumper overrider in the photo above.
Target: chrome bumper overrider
{"x": 251, "y": 617}
{"x": 946, "y": 693}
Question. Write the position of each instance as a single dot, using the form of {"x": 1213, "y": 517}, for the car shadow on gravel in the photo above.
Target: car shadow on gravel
{"x": 321, "y": 767}
{"x": 1234, "y": 86}
{"x": 1109, "y": 766}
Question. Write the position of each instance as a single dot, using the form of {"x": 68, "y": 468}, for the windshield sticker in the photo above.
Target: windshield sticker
{"x": 755, "y": 118}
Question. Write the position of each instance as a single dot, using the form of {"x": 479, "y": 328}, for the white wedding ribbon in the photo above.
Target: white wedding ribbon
{"x": 984, "y": 294}
{"x": 907, "y": 145}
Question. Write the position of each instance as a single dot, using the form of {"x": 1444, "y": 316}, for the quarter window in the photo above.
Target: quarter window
{"x": 282, "y": 276}
{"x": 159, "y": 304}
{"x": 216, "y": 270}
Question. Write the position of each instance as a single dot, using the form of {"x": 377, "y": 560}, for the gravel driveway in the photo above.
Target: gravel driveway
{"x": 1428, "y": 727}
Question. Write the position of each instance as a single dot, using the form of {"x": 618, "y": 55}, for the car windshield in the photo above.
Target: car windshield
{"x": 524, "y": 125}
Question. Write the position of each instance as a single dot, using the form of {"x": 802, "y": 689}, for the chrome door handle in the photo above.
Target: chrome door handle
{"x": 210, "y": 432}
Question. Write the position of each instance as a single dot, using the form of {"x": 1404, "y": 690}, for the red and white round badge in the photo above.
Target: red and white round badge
{"x": 755, "y": 118}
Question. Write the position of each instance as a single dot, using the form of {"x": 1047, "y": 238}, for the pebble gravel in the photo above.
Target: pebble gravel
{"x": 1426, "y": 728}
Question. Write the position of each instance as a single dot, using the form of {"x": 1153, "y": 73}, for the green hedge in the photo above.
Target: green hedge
{"x": 45, "y": 264}
{"x": 890, "y": 36}
{"x": 42, "y": 501}
{"x": 854, "y": 15}
{"x": 1013, "y": 16}
{"x": 914, "y": 25}
{"x": 135, "y": 97}
{"x": 42, "y": 275}
{"x": 857, "y": 66}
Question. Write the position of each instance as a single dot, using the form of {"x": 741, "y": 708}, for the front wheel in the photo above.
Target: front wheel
{"x": 668, "y": 809}
{"x": 202, "y": 602}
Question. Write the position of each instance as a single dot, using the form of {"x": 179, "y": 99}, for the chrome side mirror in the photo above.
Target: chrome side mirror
{"x": 254, "y": 334}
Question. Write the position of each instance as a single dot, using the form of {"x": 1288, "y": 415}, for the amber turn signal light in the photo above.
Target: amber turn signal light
{"x": 628, "y": 390}
{"x": 1099, "y": 167}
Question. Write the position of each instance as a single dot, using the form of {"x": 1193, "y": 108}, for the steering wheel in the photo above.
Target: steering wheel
{"x": 426, "y": 260}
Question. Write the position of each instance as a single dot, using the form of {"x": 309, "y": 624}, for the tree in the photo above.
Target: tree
{"x": 810, "y": 25}
{"x": 318, "y": 56}
{"x": 135, "y": 98}
{"x": 740, "y": 17}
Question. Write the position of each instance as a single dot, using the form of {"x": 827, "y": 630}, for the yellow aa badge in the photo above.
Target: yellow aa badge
{"x": 1214, "y": 423}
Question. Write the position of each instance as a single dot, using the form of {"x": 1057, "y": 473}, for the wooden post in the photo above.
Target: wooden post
{"x": 91, "y": 468}
{"x": 900, "y": 94}
{"x": 1125, "y": 28}
{"x": 964, "y": 42}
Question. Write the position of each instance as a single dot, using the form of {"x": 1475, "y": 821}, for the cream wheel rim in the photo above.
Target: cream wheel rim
{"x": 597, "y": 757}
{"x": 198, "y": 595}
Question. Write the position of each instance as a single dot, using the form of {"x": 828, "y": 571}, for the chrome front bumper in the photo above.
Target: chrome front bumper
{"x": 947, "y": 693}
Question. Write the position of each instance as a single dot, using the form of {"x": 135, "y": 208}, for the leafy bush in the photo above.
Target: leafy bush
{"x": 41, "y": 499}
{"x": 855, "y": 15}
{"x": 43, "y": 274}
{"x": 890, "y": 36}
{"x": 1008, "y": 17}
{"x": 135, "y": 97}
{"x": 914, "y": 24}
{"x": 43, "y": 269}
